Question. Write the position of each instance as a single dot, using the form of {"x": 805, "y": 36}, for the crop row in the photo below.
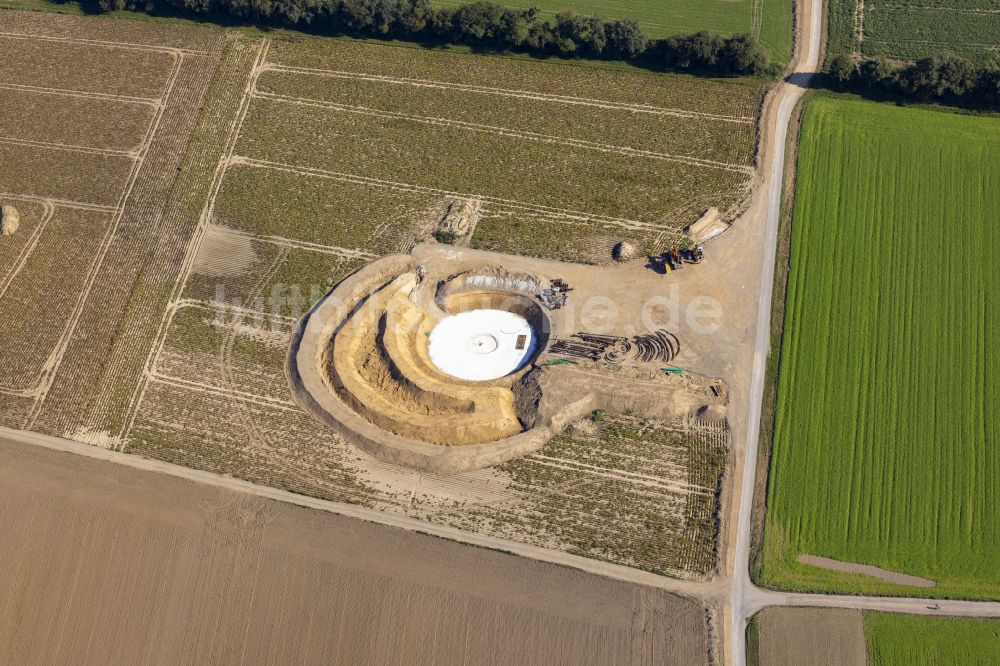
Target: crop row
{"x": 502, "y": 167}
{"x": 89, "y": 68}
{"x": 140, "y": 265}
{"x": 30, "y": 325}
{"x": 697, "y": 136}
{"x": 227, "y": 350}
{"x": 78, "y": 121}
{"x": 913, "y": 32}
{"x": 550, "y": 78}
{"x": 281, "y": 449}
{"x": 172, "y": 188}
{"x": 511, "y": 231}
{"x": 162, "y": 34}
{"x": 63, "y": 174}
{"x": 12, "y": 247}
{"x": 885, "y": 440}
{"x": 325, "y": 211}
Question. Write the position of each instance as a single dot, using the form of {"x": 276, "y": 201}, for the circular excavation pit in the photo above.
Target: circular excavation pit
{"x": 481, "y": 345}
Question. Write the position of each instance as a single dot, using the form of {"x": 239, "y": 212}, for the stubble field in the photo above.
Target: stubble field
{"x": 885, "y": 439}
{"x": 258, "y": 173}
{"x": 548, "y": 151}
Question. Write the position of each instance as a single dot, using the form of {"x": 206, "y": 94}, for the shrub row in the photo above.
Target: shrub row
{"x": 943, "y": 78}
{"x": 487, "y": 25}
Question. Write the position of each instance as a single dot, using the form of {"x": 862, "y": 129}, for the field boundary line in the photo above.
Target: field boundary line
{"x": 216, "y": 306}
{"x": 506, "y": 92}
{"x": 618, "y": 475}
{"x": 29, "y": 248}
{"x": 60, "y": 203}
{"x": 104, "y": 247}
{"x": 66, "y": 92}
{"x": 225, "y": 356}
{"x": 295, "y": 244}
{"x": 406, "y": 187}
{"x": 135, "y": 46}
{"x": 701, "y": 590}
{"x": 232, "y": 394}
{"x": 195, "y": 244}
{"x": 508, "y": 132}
{"x": 859, "y": 22}
{"x": 67, "y": 147}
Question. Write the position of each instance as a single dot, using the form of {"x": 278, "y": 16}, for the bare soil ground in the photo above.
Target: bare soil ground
{"x": 866, "y": 569}
{"x": 811, "y": 636}
{"x": 118, "y": 565}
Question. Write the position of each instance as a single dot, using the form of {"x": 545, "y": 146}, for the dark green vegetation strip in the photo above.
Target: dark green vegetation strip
{"x": 885, "y": 447}
{"x": 670, "y": 17}
{"x": 491, "y": 26}
{"x": 911, "y": 29}
{"x": 912, "y": 640}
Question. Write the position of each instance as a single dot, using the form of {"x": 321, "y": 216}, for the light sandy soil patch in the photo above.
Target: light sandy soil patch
{"x": 117, "y": 565}
{"x": 866, "y": 569}
{"x": 811, "y": 636}
{"x": 224, "y": 254}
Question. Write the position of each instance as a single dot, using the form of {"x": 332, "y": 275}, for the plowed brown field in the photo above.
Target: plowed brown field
{"x": 120, "y": 566}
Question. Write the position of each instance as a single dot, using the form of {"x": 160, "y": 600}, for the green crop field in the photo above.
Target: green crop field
{"x": 910, "y": 640}
{"x": 769, "y": 20}
{"x": 911, "y": 29}
{"x": 885, "y": 448}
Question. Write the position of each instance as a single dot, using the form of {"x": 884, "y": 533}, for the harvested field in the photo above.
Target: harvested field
{"x": 627, "y": 491}
{"x": 334, "y": 123}
{"x": 85, "y": 67}
{"x": 886, "y": 414}
{"x": 14, "y": 249}
{"x": 911, "y": 640}
{"x": 94, "y": 179}
{"x": 142, "y": 34}
{"x": 141, "y": 359}
{"x": 694, "y": 136}
{"x": 74, "y": 121}
{"x": 400, "y": 150}
{"x": 268, "y": 277}
{"x": 57, "y": 266}
{"x": 821, "y": 637}
{"x": 142, "y": 567}
{"x": 324, "y": 211}
{"x": 564, "y": 79}
{"x": 227, "y": 351}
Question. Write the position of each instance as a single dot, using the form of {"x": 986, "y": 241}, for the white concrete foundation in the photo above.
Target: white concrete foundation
{"x": 481, "y": 345}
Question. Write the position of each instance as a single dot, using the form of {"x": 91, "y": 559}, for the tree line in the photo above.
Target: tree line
{"x": 943, "y": 78}
{"x": 488, "y": 25}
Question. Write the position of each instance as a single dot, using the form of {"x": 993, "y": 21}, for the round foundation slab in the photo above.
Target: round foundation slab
{"x": 481, "y": 345}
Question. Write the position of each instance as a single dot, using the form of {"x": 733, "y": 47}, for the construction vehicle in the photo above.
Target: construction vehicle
{"x": 674, "y": 259}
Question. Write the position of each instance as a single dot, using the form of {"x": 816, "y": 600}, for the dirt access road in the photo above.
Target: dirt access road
{"x": 104, "y": 563}
{"x": 745, "y": 598}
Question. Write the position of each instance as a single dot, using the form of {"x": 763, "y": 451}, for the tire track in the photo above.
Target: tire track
{"x": 504, "y": 92}
{"x": 507, "y": 132}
